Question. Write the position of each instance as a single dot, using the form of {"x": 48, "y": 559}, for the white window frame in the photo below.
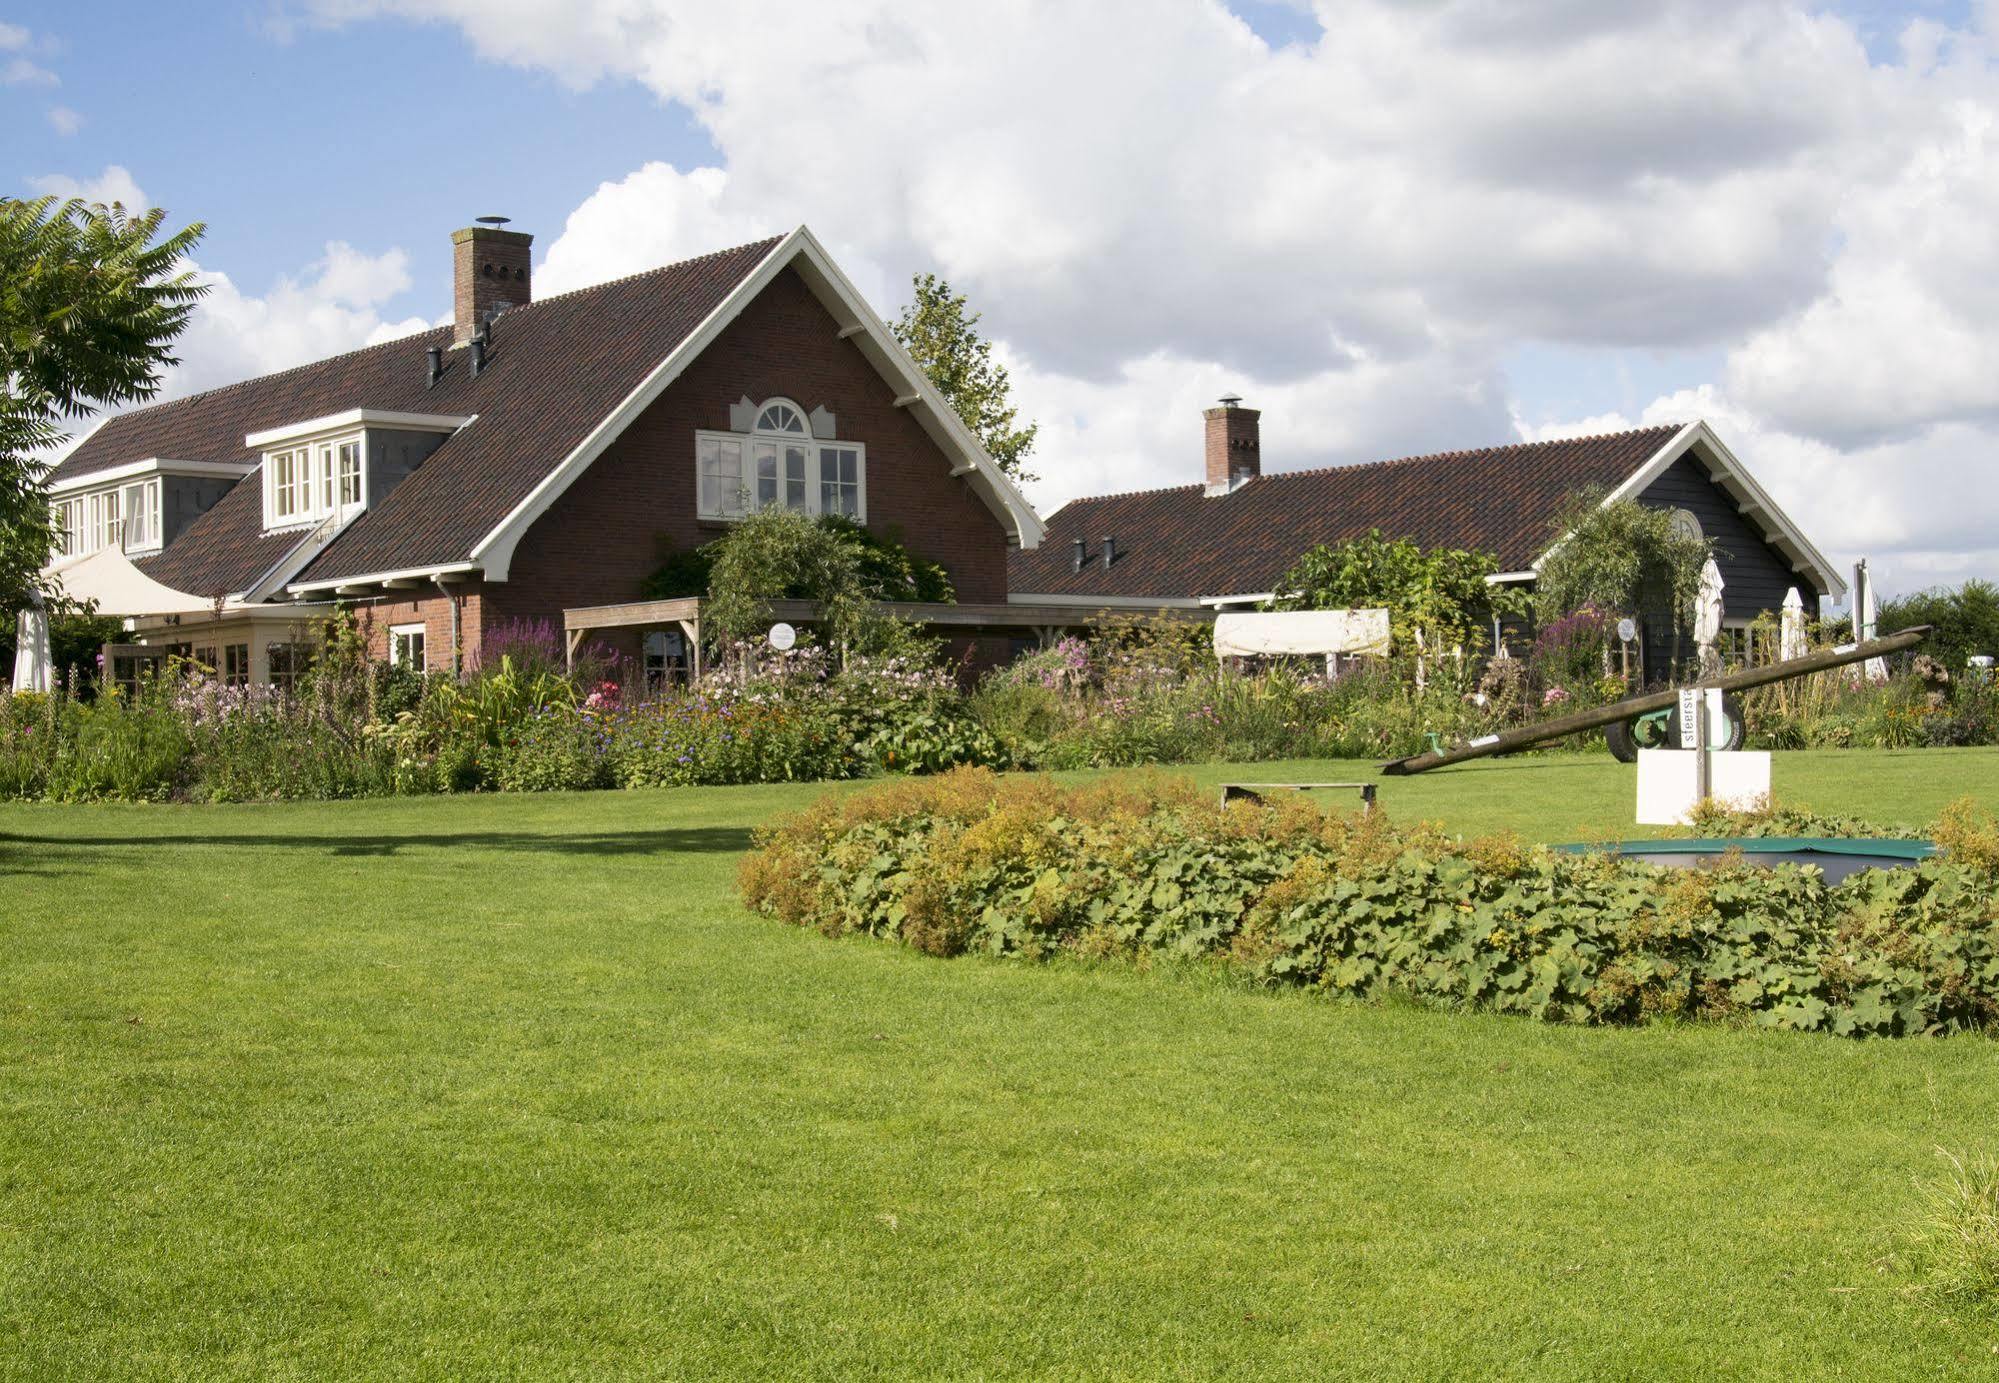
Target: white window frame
{"x": 317, "y": 490}
{"x": 106, "y": 524}
{"x": 749, "y": 449}
{"x": 71, "y": 534}
{"x": 139, "y": 516}
{"x": 398, "y": 633}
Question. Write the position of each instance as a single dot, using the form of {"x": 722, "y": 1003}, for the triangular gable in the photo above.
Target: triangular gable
{"x": 1698, "y": 441}
{"x": 494, "y": 553}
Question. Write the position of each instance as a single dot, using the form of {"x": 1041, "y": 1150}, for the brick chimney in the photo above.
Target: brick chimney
{"x": 1235, "y": 451}
{"x": 490, "y": 272}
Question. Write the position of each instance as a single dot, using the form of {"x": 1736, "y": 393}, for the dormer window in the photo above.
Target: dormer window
{"x": 331, "y": 468}
{"x": 314, "y": 481}
{"x": 779, "y": 463}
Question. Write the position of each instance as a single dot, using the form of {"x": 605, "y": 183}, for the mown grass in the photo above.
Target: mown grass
{"x": 514, "y": 1087}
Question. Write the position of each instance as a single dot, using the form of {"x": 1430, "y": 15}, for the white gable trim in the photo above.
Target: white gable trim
{"x": 1765, "y": 519}
{"x": 494, "y": 553}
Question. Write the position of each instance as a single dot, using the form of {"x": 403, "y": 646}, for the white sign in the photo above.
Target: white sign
{"x": 1669, "y": 786}
{"x": 782, "y": 637}
{"x": 1690, "y": 718}
{"x": 1627, "y": 629}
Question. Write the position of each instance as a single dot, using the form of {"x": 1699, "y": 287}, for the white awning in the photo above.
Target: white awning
{"x": 1247, "y": 634}
{"x": 108, "y": 577}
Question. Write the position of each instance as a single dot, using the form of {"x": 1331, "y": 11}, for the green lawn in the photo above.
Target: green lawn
{"x": 513, "y": 1086}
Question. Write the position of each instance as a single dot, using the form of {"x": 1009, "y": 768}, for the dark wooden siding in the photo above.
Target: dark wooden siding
{"x": 1755, "y": 575}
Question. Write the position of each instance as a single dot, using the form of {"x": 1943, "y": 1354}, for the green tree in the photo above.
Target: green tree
{"x": 1442, "y": 591}
{"x": 1622, "y": 558}
{"x": 1964, "y": 621}
{"x": 91, "y": 300}
{"x": 777, "y": 554}
{"x": 943, "y": 337}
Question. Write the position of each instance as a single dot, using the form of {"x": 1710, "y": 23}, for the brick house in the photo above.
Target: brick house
{"x": 530, "y": 457}
{"x": 1225, "y": 542}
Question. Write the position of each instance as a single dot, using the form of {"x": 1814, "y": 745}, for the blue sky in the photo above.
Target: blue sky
{"x": 1399, "y": 228}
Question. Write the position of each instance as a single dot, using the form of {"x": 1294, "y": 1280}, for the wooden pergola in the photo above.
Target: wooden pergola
{"x": 1043, "y": 623}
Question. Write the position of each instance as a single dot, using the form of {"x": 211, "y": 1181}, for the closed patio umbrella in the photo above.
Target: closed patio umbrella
{"x": 1791, "y": 643}
{"x": 32, "y": 668}
{"x": 1707, "y": 618}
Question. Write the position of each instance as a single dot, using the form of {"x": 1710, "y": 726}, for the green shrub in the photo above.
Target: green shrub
{"x": 558, "y": 750}
{"x": 1353, "y": 905}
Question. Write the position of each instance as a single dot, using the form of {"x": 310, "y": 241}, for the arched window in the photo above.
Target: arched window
{"x": 779, "y": 464}
{"x": 782, "y": 416}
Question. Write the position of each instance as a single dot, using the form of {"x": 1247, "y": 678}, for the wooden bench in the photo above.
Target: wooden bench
{"x": 1253, "y": 792}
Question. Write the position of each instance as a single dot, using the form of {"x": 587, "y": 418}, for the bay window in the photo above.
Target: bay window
{"x": 779, "y": 465}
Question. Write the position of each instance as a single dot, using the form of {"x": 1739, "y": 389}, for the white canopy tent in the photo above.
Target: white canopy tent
{"x": 120, "y": 589}
{"x": 109, "y": 578}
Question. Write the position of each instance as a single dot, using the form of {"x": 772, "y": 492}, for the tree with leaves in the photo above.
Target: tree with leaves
{"x": 942, "y": 336}
{"x": 1440, "y": 592}
{"x": 92, "y": 298}
{"x": 1622, "y": 558}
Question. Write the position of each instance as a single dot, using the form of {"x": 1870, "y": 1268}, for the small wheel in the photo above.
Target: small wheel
{"x": 1731, "y": 713}
{"x": 1618, "y": 736}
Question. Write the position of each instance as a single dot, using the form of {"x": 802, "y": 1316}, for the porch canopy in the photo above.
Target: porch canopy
{"x": 109, "y": 577}
{"x": 1040, "y": 622}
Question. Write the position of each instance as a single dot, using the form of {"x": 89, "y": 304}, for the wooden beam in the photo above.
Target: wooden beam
{"x": 904, "y": 400}
{"x": 963, "y": 470}
{"x": 1488, "y": 745}
{"x": 403, "y": 583}
{"x": 855, "y": 330}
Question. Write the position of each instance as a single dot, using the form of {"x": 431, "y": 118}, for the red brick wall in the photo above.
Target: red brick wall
{"x": 599, "y": 542}
{"x": 434, "y": 613}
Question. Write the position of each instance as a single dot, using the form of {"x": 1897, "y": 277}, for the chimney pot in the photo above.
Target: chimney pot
{"x": 1234, "y": 445}
{"x": 1080, "y": 555}
{"x": 478, "y": 354}
{"x": 436, "y": 359}
{"x": 1110, "y": 552}
{"x": 492, "y": 270}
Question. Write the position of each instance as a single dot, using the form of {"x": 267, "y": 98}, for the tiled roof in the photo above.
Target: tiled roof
{"x": 557, "y": 368}
{"x": 1179, "y": 543}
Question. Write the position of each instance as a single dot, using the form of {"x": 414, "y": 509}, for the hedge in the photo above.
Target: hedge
{"x": 1290, "y": 894}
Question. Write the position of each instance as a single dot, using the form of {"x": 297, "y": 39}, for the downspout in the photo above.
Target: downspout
{"x": 457, "y": 662}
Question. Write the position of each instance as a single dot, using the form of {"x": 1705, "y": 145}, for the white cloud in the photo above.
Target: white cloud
{"x": 654, "y": 216}
{"x": 64, "y": 120}
{"x": 332, "y": 307}
{"x": 1153, "y": 207}
{"x": 333, "y": 304}
{"x": 114, "y": 184}
{"x": 19, "y": 71}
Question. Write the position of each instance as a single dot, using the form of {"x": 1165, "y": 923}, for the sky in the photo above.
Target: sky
{"x": 1396, "y": 226}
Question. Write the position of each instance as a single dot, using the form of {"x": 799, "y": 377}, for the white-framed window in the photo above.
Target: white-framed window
{"x": 140, "y": 508}
{"x": 406, "y": 646}
{"x": 779, "y": 464}
{"x": 71, "y": 535}
{"x": 106, "y": 527}
{"x": 309, "y": 482}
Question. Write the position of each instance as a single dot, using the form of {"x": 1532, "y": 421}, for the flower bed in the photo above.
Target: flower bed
{"x": 1290, "y": 894}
